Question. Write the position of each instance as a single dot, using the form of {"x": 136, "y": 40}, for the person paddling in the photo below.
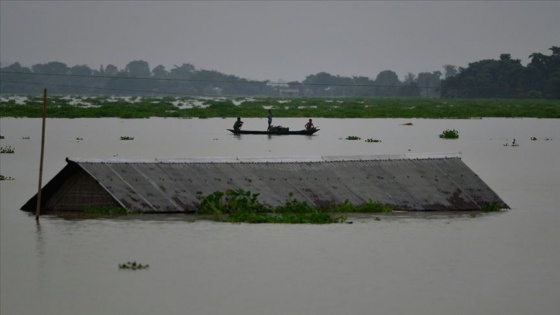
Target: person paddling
{"x": 237, "y": 125}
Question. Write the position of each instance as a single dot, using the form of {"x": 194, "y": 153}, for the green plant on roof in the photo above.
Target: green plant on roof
{"x": 243, "y": 206}
{"x": 449, "y": 134}
{"x": 7, "y": 149}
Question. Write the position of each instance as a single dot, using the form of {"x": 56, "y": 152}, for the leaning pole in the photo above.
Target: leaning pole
{"x": 38, "y": 210}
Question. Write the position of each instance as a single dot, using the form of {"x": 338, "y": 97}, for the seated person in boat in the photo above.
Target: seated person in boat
{"x": 237, "y": 125}
{"x": 309, "y": 125}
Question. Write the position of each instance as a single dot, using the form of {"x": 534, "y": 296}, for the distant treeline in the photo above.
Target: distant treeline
{"x": 503, "y": 78}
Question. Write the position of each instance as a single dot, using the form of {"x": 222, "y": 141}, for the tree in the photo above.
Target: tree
{"x": 159, "y": 72}
{"x": 410, "y": 86}
{"x": 53, "y": 67}
{"x": 138, "y": 68}
{"x": 15, "y": 79}
{"x": 450, "y": 71}
{"x": 429, "y": 83}
{"x": 111, "y": 70}
{"x": 387, "y": 83}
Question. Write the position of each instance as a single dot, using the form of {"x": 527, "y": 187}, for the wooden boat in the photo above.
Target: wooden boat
{"x": 274, "y": 132}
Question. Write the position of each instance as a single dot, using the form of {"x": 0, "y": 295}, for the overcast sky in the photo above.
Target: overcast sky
{"x": 273, "y": 40}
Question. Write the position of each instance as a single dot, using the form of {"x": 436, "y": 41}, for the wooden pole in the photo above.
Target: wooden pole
{"x": 38, "y": 210}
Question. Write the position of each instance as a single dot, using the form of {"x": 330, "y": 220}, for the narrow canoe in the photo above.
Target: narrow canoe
{"x": 266, "y": 132}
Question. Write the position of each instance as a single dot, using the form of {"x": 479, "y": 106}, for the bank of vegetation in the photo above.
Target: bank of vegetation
{"x": 192, "y": 107}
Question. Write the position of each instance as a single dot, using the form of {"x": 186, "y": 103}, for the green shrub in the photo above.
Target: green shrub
{"x": 490, "y": 207}
{"x": 449, "y": 134}
{"x": 243, "y": 206}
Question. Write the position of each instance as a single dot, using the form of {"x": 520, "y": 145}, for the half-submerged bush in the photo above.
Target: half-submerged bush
{"x": 449, "y": 134}
{"x": 490, "y": 207}
{"x": 243, "y": 206}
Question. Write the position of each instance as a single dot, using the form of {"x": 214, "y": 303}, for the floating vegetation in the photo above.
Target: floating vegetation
{"x": 513, "y": 143}
{"x": 490, "y": 207}
{"x": 1, "y": 137}
{"x": 243, "y": 206}
{"x": 132, "y": 265}
{"x": 209, "y": 107}
{"x": 2, "y": 177}
{"x": 535, "y": 139}
{"x": 26, "y": 137}
{"x": 449, "y": 134}
{"x": 7, "y": 149}
{"x": 353, "y": 138}
{"x": 372, "y": 140}
{"x": 127, "y": 138}
{"x": 79, "y": 139}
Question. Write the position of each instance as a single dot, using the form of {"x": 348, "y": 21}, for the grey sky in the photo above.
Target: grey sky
{"x": 272, "y": 40}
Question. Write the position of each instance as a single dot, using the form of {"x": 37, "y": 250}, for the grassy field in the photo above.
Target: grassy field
{"x": 201, "y": 107}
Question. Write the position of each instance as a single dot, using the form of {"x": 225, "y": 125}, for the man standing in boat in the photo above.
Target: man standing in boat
{"x": 237, "y": 125}
{"x": 269, "y": 119}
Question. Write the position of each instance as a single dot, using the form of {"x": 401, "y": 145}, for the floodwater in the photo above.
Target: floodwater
{"x": 419, "y": 263}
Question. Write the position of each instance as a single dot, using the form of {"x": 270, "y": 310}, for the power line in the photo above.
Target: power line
{"x": 97, "y": 88}
{"x": 209, "y": 81}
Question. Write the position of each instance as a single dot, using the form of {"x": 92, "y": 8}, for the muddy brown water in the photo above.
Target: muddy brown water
{"x": 406, "y": 263}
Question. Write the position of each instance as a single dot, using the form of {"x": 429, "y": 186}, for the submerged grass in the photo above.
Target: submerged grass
{"x": 146, "y": 107}
{"x": 108, "y": 210}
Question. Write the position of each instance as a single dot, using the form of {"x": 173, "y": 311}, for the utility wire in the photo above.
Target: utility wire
{"x": 208, "y": 81}
{"x": 99, "y": 88}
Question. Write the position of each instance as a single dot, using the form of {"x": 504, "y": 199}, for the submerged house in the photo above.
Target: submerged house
{"x": 433, "y": 183}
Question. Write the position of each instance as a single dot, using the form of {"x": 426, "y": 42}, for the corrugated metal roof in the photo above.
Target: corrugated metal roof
{"x": 435, "y": 182}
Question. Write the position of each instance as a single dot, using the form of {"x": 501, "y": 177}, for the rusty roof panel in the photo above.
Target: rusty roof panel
{"x": 410, "y": 183}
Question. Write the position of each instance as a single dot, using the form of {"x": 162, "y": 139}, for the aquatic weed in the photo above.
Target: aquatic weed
{"x": 353, "y": 138}
{"x": 133, "y": 265}
{"x": 7, "y": 149}
{"x": 449, "y": 134}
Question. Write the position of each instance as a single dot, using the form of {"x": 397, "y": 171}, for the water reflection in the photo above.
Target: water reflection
{"x": 401, "y": 263}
